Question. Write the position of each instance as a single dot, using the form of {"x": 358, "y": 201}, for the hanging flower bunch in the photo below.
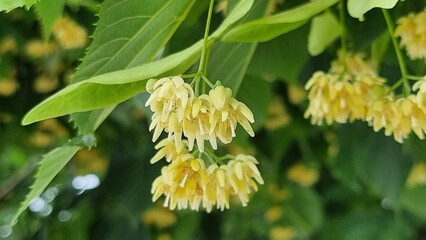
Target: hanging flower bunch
{"x": 189, "y": 120}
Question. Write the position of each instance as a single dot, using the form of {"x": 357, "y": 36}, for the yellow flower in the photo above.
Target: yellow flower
{"x": 8, "y": 86}
{"x": 242, "y": 174}
{"x": 159, "y": 217}
{"x": 171, "y": 151}
{"x": 277, "y": 115}
{"x": 412, "y": 31}
{"x": 45, "y": 83}
{"x": 180, "y": 182}
{"x": 196, "y": 125}
{"x": 296, "y": 94}
{"x": 420, "y": 87}
{"x": 69, "y": 34}
{"x": 303, "y": 175}
{"x": 8, "y": 44}
{"x": 169, "y": 101}
{"x": 417, "y": 175}
{"x": 273, "y": 214}
{"x": 282, "y": 233}
{"x": 216, "y": 187}
{"x": 226, "y": 113}
{"x": 39, "y": 48}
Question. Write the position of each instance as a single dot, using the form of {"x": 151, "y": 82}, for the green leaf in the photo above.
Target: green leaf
{"x": 285, "y": 64}
{"x": 267, "y": 28}
{"x": 379, "y": 49}
{"x": 413, "y": 200}
{"x": 357, "y": 8}
{"x": 142, "y": 31}
{"x": 50, "y": 166}
{"x": 304, "y": 210}
{"x": 112, "y": 88}
{"x": 325, "y": 29}
{"x": 83, "y": 96}
{"x": 47, "y": 12}
{"x": 8, "y": 5}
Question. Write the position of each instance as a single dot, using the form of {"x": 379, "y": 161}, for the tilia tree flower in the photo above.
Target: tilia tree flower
{"x": 186, "y": 181}
{"x": 412, "y": 31}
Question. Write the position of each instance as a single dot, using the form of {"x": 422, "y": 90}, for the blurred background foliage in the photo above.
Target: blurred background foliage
{"x": 328, "y": 182}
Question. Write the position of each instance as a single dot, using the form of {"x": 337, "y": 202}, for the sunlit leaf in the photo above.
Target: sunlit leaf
{"x": 267, "y": 28}
{"x": 8, "y": 5}
{"x": 357, "y": 8}
{"x": 50, "y": 166}
{"x": 325, "y": 29}
{"x": 112, "y": 88}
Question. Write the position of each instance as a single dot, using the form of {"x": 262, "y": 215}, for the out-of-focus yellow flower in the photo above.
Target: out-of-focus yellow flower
{"x": 6, "y": 117}
{"x": 417, "y": 175}
{"x": 282, "y": 233}
{"x": 272, "y": 7}
{"x": 273, "y": 214}
{"x": 278, "y": 194}
{"x": 53, "y": 127}
{"x": 8, "y": 86}
{"x": 222, "y": 6}
{"x": 164, "y": 236}
{"x": 8, "y": 44}
{"x": 159, "y": 217}
{"x": 45, "y": 83}
{"x": 296, "y": 94}
{"x": 412, "y": 31}
{"x": 69, "y": 34}
{"x": 90, "y": 161}
{"x": 39, "y": 48}
{"x": 41, "y": 139}
{"x": 303, "y": 175}
{"x": 333, "y": 144}
{"x": 277, "y": 115}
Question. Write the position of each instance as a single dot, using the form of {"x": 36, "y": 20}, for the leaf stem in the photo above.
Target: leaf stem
{"x": 401, "y": 62}
{"x": 204, "y": 53}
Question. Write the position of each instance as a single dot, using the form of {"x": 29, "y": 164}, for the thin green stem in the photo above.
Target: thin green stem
{"x": 204, "y": 53}
{"x": 401, "y": 62}
{"x": 343, "y": 38}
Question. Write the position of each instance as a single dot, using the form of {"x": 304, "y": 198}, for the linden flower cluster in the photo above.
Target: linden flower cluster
{"x": 344, "y": 92}
{"x": 352, "y": 91}
{"x": 186, "y": 181}
{"x": 178, "y": 112}
{"x": 412, "y": 31}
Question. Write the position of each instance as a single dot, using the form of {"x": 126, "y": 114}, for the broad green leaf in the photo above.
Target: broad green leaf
{"x": 8, "y": 5}
{"x": 413, "y": 200}
{"x": 357, "y": 8}
{"x": 50, "y": 166}
{"x": 325, "y": 29}
{"x": 267, "y": 28}
{"x": 83, "y": 96}
{"x": 125, "y": 40}
{"x": 283, "y": 57}
{"x": 378, "y": 49}
{"x": 304, "y": 210}
{"x": 47, "y": 12}
{"x": 112, "y": 88}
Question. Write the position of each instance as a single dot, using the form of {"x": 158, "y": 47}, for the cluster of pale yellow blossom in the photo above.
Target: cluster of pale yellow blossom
{"x": 351, "y": 90}
{"x": 187, "y": 181}
{"x": 412, "y": 31}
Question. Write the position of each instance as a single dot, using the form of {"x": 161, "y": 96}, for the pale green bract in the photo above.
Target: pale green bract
{"x": 325, "y": 29}
{"x": 357, "y": 8}
{"x": 267, "y": 28}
